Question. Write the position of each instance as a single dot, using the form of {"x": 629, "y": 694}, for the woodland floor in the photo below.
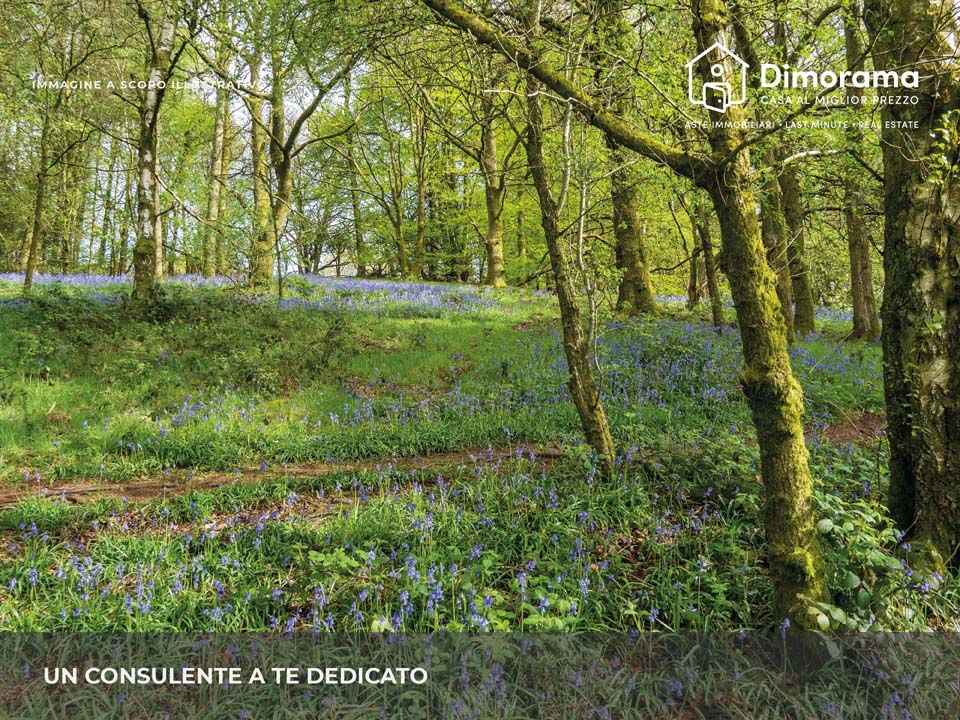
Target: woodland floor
{"x": 386, "y": 455}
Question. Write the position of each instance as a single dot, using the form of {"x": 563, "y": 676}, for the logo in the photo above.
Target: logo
{"x": 720, "y": 93}
{"x": 728, "y": 83}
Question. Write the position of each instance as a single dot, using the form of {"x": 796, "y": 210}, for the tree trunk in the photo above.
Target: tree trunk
{"x": 866, "y": 322}
{"x": 921, "y": 299}
{"x": 773, "y": 394}
{"x": 635, "y": 294}
{"x": 702, "y": 225}
{"x": 495, "y": 193}
{"x": 804, "y": 320}
{"x": 147, "y": 251}
{"x": 221, "y": 245}
{"x": 23, "y": 255}
{"x": 216, "y": 182}
{"x": 36, "y": 232}
{"x": 359, "y": 250}
{"x": 693, "y": 276}
{"x": 118, "y": 258}
{"x": 774, "y": 233}
{"x": 261, "y": 256}
{"x": 521, "y": 237}
{"x": 109, "y": 207}
{"x": 583, "y": 387}
{"x": 158, "y": 228}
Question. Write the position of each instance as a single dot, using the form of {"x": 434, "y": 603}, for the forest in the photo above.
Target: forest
{"x": 484, "y": 315}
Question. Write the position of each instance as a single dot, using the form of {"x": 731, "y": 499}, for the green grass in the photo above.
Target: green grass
{"x": 220, "y": 382}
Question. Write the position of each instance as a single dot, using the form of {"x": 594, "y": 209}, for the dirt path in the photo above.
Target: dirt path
{"x": 861, "y": 429}
{"x": 141, "y": 490}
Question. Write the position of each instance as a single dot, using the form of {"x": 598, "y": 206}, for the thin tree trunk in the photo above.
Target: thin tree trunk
{"x": 358, "y": 248}
{"x": 261, "y": 263}
{"x": 23, "y": 255}
{"x": 582, "y": 384}
{"x": 866, "y": 321}
{"x": 693, "y": 277}
{"x": 216, "y": 183}
{"x": 118, "y": 260}
{"x": 774, "y": 233}
{"x": 419, "y": 132}
{"x": 109, "y": 208}
{"x": 37, "y": 231}
{"x": 495, "y": 193}
{"x": 220, "y": 250}
{"x": 158, "y": 228}
{"x": 177, "y": 261}
{"x": 804, "y": 321}
{"x": 702, "y": 222}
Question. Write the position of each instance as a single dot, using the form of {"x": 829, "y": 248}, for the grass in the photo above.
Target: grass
{"x": 345, "y": 380}
{"x": 235, "y": 384}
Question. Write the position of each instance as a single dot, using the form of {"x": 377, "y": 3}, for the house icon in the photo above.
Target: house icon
{"x": 724, "y": 89}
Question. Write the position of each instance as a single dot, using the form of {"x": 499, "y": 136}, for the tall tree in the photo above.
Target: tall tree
{"x": 635, "y": 292}
{"x": 216, "y": 175}
{"x": 774, "y": 234}
{"x": 774, "y": 396}
{"x": 921, "y": 259}
{"x": 582, "y": 384}
{"x": 804, "y": 321}
{"x": 147, "y": 257}
{"x": 866, "y": 321}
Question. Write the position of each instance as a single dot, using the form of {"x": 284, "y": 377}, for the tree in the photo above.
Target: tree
{"x": 921, "y": 298}
{"x": 635, "y": 293}
{"x": 866, "y": 322}
{"x": 160, "y": 60}
{"x": 479, "y": 94}
{"x": 217, "y": 175}
{"x": 774, "y": 396}
{"x": 774, "y": 234}
{"x": 582, "y": 384}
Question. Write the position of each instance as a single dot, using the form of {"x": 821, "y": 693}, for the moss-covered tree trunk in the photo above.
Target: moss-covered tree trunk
{"x": 772, "y": 392}
{"x": 582, "y": 384}
{"x": 774, "y": 234}
{"x": 804, "y": 321}
{"x": 702, "y": 228}
{"x": 866, "y": 321}
{"x": 635, "y": 294}
{"x": 921, "y": 300}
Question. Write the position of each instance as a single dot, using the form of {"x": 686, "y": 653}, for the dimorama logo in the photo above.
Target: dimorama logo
{"x": 718, "y": 94}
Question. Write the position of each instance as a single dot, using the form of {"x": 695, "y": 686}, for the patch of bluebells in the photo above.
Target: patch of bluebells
{"x": 392, "y": 298}
{"x": 93, "y": 281}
